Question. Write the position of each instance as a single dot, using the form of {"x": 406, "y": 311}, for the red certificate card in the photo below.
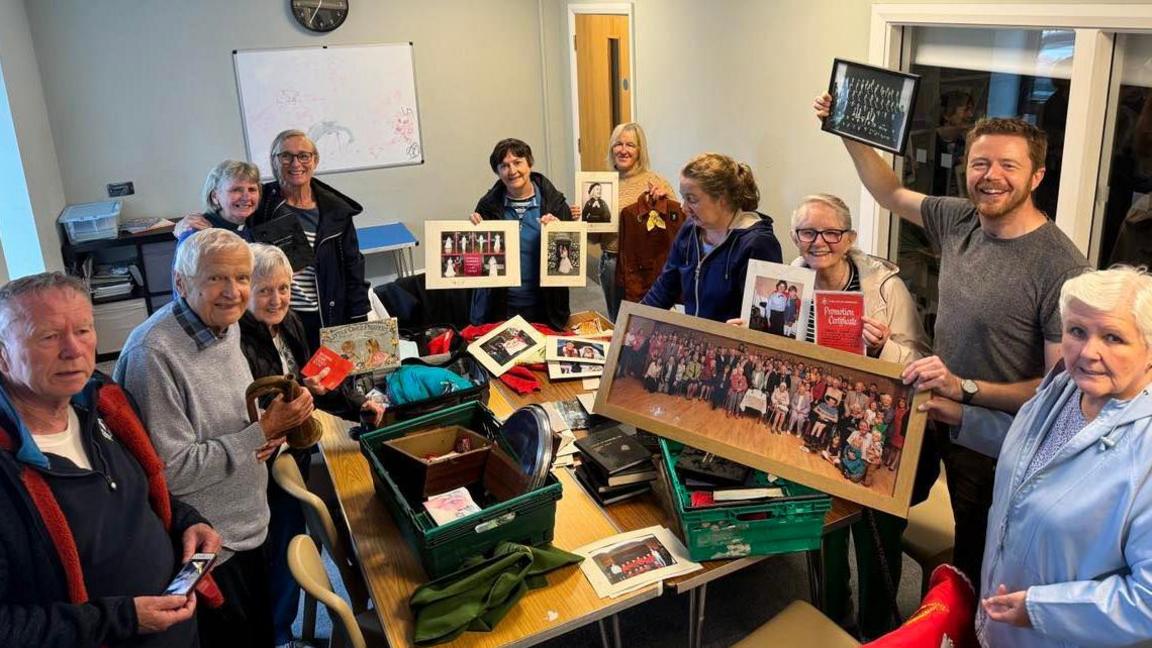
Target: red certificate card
{"x": 840, "y": 320}
{"x": 337, "y": 365}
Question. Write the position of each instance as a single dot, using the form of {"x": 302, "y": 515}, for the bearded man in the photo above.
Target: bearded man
{"x": 1002, "y": 263}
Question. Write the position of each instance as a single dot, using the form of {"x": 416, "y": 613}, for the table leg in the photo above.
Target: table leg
{"x": 604, "y": 634}
{"x": 617, "y": 640}
{"x": 815, "y": 578}
{"x": 697, "y": 597}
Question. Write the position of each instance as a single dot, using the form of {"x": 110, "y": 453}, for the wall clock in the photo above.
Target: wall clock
{"x": 320, "y": 15}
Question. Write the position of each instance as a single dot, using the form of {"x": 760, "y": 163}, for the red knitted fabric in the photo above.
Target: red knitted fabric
{"x": 949, "y": 608}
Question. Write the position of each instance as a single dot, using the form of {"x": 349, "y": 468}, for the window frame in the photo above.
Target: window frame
{"x": 1084, "y": 176}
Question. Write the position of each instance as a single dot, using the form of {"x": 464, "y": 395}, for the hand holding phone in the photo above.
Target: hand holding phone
{"x": 190, "y": 574}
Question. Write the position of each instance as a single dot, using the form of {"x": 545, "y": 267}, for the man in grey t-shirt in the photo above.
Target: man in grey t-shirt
{"x": 998, "y": 326}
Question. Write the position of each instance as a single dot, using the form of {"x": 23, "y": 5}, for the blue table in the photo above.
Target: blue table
{"x": 390, "y": 237}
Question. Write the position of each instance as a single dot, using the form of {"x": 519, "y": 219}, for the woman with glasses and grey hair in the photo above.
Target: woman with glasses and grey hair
{"x": 822, "y": 231}
{"x": 312, "y": 222}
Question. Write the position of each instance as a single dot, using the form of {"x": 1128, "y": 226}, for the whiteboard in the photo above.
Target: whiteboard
{"x": 356, "y": 102}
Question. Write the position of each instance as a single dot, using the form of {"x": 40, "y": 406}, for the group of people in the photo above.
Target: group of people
{"x": 1039, "y": 374}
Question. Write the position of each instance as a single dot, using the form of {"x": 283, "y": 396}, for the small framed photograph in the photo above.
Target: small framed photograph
{"x": 564, "y": 369}
{"x": 835, "y": 421}
{"x": 564, "y": 254}
{"x": 598, "y": 195}
{"x": 777, "y": 298}
{"x": 370, "y": 346}
{"x": 576, "y": 349}
{"x": 458, "y": 254}
{"x": 871, "y": 104}
{"x": 505, "y": 346}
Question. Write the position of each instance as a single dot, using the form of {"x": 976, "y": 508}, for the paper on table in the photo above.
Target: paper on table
{"x": 587, "y": 400}
{"x": 629, "y": 561}
{"x": 591, "y": 383}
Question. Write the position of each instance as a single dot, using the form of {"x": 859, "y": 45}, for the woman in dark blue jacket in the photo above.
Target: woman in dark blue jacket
{"x": 709, "y": 258}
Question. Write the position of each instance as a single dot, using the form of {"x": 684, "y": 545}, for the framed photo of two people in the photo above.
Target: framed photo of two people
{"x": 835, "y": 421}
{"x": 871, "y": 105}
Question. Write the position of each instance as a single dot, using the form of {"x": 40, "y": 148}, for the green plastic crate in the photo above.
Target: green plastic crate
{"x": 527, "y": 519}
{"x": 793, "y": 523}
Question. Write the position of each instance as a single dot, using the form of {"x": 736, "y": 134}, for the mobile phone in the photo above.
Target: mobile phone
{"x": 190, "y": 574}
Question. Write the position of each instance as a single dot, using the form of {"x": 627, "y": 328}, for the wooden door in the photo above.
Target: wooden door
{"x": 603, "y": 69}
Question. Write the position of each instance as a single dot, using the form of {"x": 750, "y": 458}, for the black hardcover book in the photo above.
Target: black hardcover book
{"x": 707, "y": 467}
{"x": 637, "y": 474}
{"x": 613, "y": 450}
{"x": 606, "y": 495}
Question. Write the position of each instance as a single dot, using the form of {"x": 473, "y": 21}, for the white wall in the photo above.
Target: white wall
{"x": 22, "y": 80}
{"x": 145, "y": 91}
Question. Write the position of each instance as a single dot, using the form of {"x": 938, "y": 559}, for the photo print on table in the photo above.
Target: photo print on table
{"x": 564, "y": 254}
{"x": 838, "y": 422}
{"x": 563, "y": 369}
{"x": 628, "y": 561}
{"x": 777, "y": 298}
{"x": 872, "y": 105}
{"x": 576, "y": 349}
{"x": 598, "y": 195}
{"x": 458, "y": 254}
{"x": 507, "y": 345}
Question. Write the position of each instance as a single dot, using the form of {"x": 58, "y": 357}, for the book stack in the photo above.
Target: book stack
{"x": 615, "y": 466}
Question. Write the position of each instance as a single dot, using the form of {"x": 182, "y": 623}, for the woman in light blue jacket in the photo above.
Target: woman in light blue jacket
{"x": 1068, "y": 560}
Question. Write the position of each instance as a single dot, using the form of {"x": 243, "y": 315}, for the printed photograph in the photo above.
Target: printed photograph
{"x": 564, "y": 254}
{"x": 462, "y": 255}
{"x": 871, "y": 105}
{"x": 827, "y": 419}
{"x": 505, "y": 346}
{"x": 598, "y": 193}
{"x": 370, "y": 346}
{"x": 777, "y": 299}
{"x": 564, "y": 369}
{"x": 576, "y": 349}
{"x": 633, "y": 558}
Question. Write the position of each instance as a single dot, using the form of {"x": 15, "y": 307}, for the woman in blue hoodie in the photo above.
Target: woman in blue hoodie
{"x": 709, "y": 258}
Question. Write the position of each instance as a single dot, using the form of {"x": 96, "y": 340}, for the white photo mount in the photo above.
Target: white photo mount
{"x": 761, "y": 292}
{"x": 598, "y": 196}
{"x": 564, "y": 254}
{"x": 458, "y": 254}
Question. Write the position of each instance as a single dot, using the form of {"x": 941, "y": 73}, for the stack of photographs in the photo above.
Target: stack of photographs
{"x": 575, "y": 357}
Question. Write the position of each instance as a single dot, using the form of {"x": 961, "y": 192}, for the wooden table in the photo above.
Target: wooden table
{"x": 392, "y": 570}
{"x": 645, "y": 510}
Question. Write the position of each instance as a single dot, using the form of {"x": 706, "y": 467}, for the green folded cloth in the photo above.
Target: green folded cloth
{"x": 477, "y": 596}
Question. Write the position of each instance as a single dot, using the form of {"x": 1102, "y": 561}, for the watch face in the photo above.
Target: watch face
{"x": 320, "y": 15}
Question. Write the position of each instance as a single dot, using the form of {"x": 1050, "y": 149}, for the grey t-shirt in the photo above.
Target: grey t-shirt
{"x": 999, "y": 298}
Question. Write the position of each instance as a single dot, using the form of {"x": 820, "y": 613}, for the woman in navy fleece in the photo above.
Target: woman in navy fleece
{"x": 709, "y": 258}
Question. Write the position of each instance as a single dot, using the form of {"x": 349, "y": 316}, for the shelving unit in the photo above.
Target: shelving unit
{"x": 116, "y": 316}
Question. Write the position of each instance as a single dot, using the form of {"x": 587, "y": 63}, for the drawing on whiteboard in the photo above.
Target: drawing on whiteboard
{"x": 357, "y": 102}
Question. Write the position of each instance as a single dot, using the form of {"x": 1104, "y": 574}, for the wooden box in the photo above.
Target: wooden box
{"x": 418, "y": 465}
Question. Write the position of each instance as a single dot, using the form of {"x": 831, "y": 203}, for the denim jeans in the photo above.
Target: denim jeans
{"x": 608, "y": 284}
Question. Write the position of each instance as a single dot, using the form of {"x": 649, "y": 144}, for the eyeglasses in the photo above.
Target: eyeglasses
{"x": 830, "y": 236}
{"x": 305, "y": 157}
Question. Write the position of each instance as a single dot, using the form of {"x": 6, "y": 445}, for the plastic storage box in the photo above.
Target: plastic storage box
{"x": 528, "y": 519}
{"x": 782, "y": 525}
{"x": 91, "y": 221}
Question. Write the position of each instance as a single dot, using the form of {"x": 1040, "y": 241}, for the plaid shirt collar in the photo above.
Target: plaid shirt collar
{"x": 194, "y": 326}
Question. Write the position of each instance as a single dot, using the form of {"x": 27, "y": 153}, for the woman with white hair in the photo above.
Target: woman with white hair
{"x": 1068, "y": 559}
{"x": 274, "y": 344}
{"x": 822, "y": 230}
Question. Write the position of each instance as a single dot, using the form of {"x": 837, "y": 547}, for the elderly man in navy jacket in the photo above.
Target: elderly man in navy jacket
{"x": 89, "y": 535}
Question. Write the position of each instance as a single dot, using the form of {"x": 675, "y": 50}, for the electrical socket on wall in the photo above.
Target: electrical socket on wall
{"x": 118, "y": 189}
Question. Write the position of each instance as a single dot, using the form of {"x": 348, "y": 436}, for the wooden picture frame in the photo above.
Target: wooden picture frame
{"x": 761, "y": 281}
{"x": 507, "y": 345}
{"x": 567, "y": 348}
{"x": 458, "y": 254}
{"x": 872, "y": 105}
{"x": 564, "y": 254}
{"x": 690, "y": 416}
{"x": 601, "y": 212}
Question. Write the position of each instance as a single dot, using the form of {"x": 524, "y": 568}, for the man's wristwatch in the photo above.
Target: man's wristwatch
{"x": 968, "y": 390}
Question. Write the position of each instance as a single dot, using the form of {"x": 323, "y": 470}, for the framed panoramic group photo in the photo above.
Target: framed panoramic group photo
{"x": 458, "y": 254}
{"x": 838, "y": 422}
{"x": 872, "y": 105}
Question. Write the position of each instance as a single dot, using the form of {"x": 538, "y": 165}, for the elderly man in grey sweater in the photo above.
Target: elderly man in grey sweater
{"x": 185, "y": 368}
